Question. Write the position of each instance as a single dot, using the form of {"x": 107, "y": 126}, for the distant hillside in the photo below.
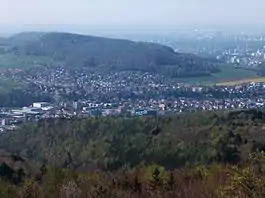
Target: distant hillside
{"x": 23, "y": 38}
{"x": 113, "y": 54}
{"x": 2, "y": 44}
{"x": 2, "y": 40}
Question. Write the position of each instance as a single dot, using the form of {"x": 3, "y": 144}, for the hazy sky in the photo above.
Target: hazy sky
{"x": 111, "y": 13}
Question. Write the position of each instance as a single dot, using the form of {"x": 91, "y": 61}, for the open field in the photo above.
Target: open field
{"x": 8, "y": 84}
{"x": 227, "y": 74}
{"x": 15, "y": 61}
{"x": 238, "y": 82}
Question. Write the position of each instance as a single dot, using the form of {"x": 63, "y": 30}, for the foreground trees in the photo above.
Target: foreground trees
{"x": 214, "y": 181}
{"x": 219, "y": 156}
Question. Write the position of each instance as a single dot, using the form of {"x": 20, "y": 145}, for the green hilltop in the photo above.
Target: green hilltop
{"x": 106, "y": 54}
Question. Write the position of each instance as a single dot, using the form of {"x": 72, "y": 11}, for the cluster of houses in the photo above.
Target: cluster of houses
{"x": 69, "y": 94}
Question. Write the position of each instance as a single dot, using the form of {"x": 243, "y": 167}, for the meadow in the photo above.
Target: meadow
{"x": 228, "y": 75}
{"x": 242, "y": 81}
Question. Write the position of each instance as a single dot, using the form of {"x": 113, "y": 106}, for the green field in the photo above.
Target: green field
{"x": 242, "y": 81}
{"x": 16, "y": 61}
{"x": 8, "y": 84}
{"x": 227, "y": 74}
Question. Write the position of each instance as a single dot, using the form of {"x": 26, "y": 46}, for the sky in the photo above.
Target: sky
{"x": 111, "y": 14}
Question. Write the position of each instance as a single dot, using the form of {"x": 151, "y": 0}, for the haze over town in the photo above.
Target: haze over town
{"x": 134, "y": 16}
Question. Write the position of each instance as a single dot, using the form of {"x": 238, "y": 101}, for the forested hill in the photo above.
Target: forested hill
{"x": 2, "y": 40}
{"x": 113, "y": 143}
{"x": 23, "y": 38}
{"x": 202, "y": 155}
{"x": 75, "y": 50}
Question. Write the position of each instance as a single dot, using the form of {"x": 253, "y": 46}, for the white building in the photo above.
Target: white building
{"x": 43, "y": 105}
{"x": 40, "y": 104}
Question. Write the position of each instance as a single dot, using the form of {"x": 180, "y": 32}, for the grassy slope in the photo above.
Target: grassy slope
{"x": 14, "y": 61}
{"x": 242, "y": 81}
{"x": 228, "y": 73}
{"x": 7, "y": 85}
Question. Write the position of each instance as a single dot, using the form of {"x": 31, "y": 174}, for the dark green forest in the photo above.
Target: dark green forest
{"x": 115, "y": 143}
{"x": 203, "y": 154}
{"x": 104, "y": 54}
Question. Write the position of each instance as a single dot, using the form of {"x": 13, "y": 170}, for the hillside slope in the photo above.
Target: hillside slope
{"x": 115, "y": 54}
{"x": 23, "y": 38}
